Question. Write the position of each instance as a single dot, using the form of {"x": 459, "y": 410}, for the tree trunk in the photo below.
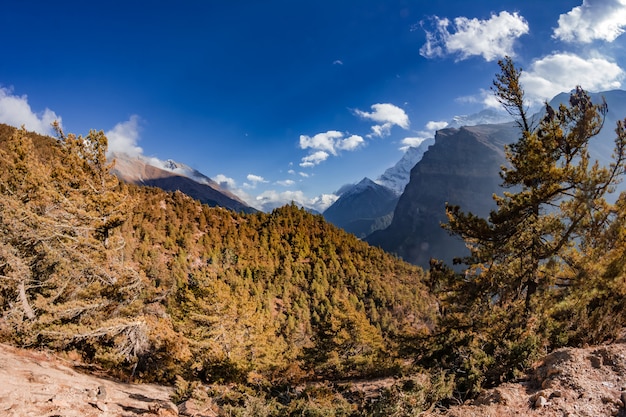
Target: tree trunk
{"x": 28, "y": 310}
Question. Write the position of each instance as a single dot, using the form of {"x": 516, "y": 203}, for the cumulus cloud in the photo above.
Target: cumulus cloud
{"x": 561, "y": 72}
{"x": 433, "y": 126}
{"x": 15, "y": 111}
{"x": 323, "y": 201}
{"x": 228, "y": 183}
{"x": 411, "y": 143}
{"x": 330, "y": 142}
{"x": 313, "y": 159}
{"x": 386, "y": 115}
{"x": 593, "y": 20}
{"x": 271, "y": 199}
{"x": 492, "y": 38}
{"x": 225, "y": 182}
{"x": 350, "y": 143}
{"x": 124, "y": 136}
{"x": 322, "y": 141}
{"x": 286, "y": 183}
{"x": 254, "y": 180}
{"x": 326, "y": 144}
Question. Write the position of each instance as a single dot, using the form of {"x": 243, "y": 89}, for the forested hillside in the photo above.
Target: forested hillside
{"x": 156, "y": 286}
{"x": 284, "y": 314}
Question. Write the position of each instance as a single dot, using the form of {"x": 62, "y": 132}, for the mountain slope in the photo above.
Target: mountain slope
{"x": 397, "y": 177}
{"x": 155, "y": 285}
{"x": 363, "y": 208}
{"x": 173, "y": 176}
{"x": 461, "y": 168}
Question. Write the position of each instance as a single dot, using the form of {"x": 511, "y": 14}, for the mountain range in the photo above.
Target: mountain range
{"x": 402, "y": 210}
{"x": 462, "y": 168}
{"x": 170, "y": 175}
{"x": 361, "y": 209}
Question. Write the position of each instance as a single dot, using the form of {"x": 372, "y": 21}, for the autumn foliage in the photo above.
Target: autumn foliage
{"x": 155, "y": 285}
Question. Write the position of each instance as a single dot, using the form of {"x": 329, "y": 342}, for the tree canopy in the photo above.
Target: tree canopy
{"x": 157, "y": 285}
{"x": 534, "y": 252}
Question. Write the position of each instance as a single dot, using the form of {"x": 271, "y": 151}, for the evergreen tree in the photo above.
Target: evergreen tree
{"x": 554, "y": 208}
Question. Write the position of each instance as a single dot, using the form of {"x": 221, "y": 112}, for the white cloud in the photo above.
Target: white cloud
{"x": 429, "y": 132}
{"x": 225, "y": 182}
{"x": 313, "y": 159}
{"x": 269, "y": 200}
{"x": 433, "y": 126}
{"x": 386, "y": 115}
{"x": 124, "y": 136}
{"x": 350, "y": 143}
{"x": 230, "y": 184}
{"x": 337, "y": 62}
{"x": 411, "y": 143}
{"x": 323, "y": 201}
{"x": 491, "y": 39}
{"x": 322, "y": 141}
{"x": 593, "y": 20}
{"x": 256, "y": 179}
{"x": 561, "y": 72}
{"x": 15, "y": 111}
{"x": 286, "y": 183}
{"x": 484, "y": 97}
{"x": 326, "y": 144}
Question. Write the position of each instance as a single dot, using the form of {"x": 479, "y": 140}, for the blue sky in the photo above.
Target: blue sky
{"x": 290, "y": 100}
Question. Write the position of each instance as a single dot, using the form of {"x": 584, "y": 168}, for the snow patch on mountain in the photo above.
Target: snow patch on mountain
{"x": 397, "y": 177}
{"x": 484, "y": 117}
{"x": 179, "y": 168}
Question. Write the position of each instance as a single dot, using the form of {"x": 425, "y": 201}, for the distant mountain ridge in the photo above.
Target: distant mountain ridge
{"x": 360, "y": 207}
{"x": 460, "y": 168}
{"x": 363, "y": 208}
{"x": 170, "y": 175}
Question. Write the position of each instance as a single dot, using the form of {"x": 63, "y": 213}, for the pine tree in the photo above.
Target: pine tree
{"x": 557, "y": 196}
{"x": 553, "y": 209}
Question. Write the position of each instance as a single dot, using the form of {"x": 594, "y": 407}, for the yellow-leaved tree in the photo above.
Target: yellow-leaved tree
{"x": 62, "y": 274}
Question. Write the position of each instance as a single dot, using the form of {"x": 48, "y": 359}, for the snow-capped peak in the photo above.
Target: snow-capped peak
{"x": 179, "y": 168}
{"x": 484, "y": 117}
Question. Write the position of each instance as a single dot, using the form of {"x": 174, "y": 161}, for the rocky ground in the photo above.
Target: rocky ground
{"x": 568, "y": 382}
{"x": 39, "y": 384}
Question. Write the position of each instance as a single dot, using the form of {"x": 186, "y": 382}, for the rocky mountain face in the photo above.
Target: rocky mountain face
{"x": 363, "y": 208}
{"x": 461, "y": 168}
{"x": 173, "y": 176}
{"x": 397, "y": 177}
